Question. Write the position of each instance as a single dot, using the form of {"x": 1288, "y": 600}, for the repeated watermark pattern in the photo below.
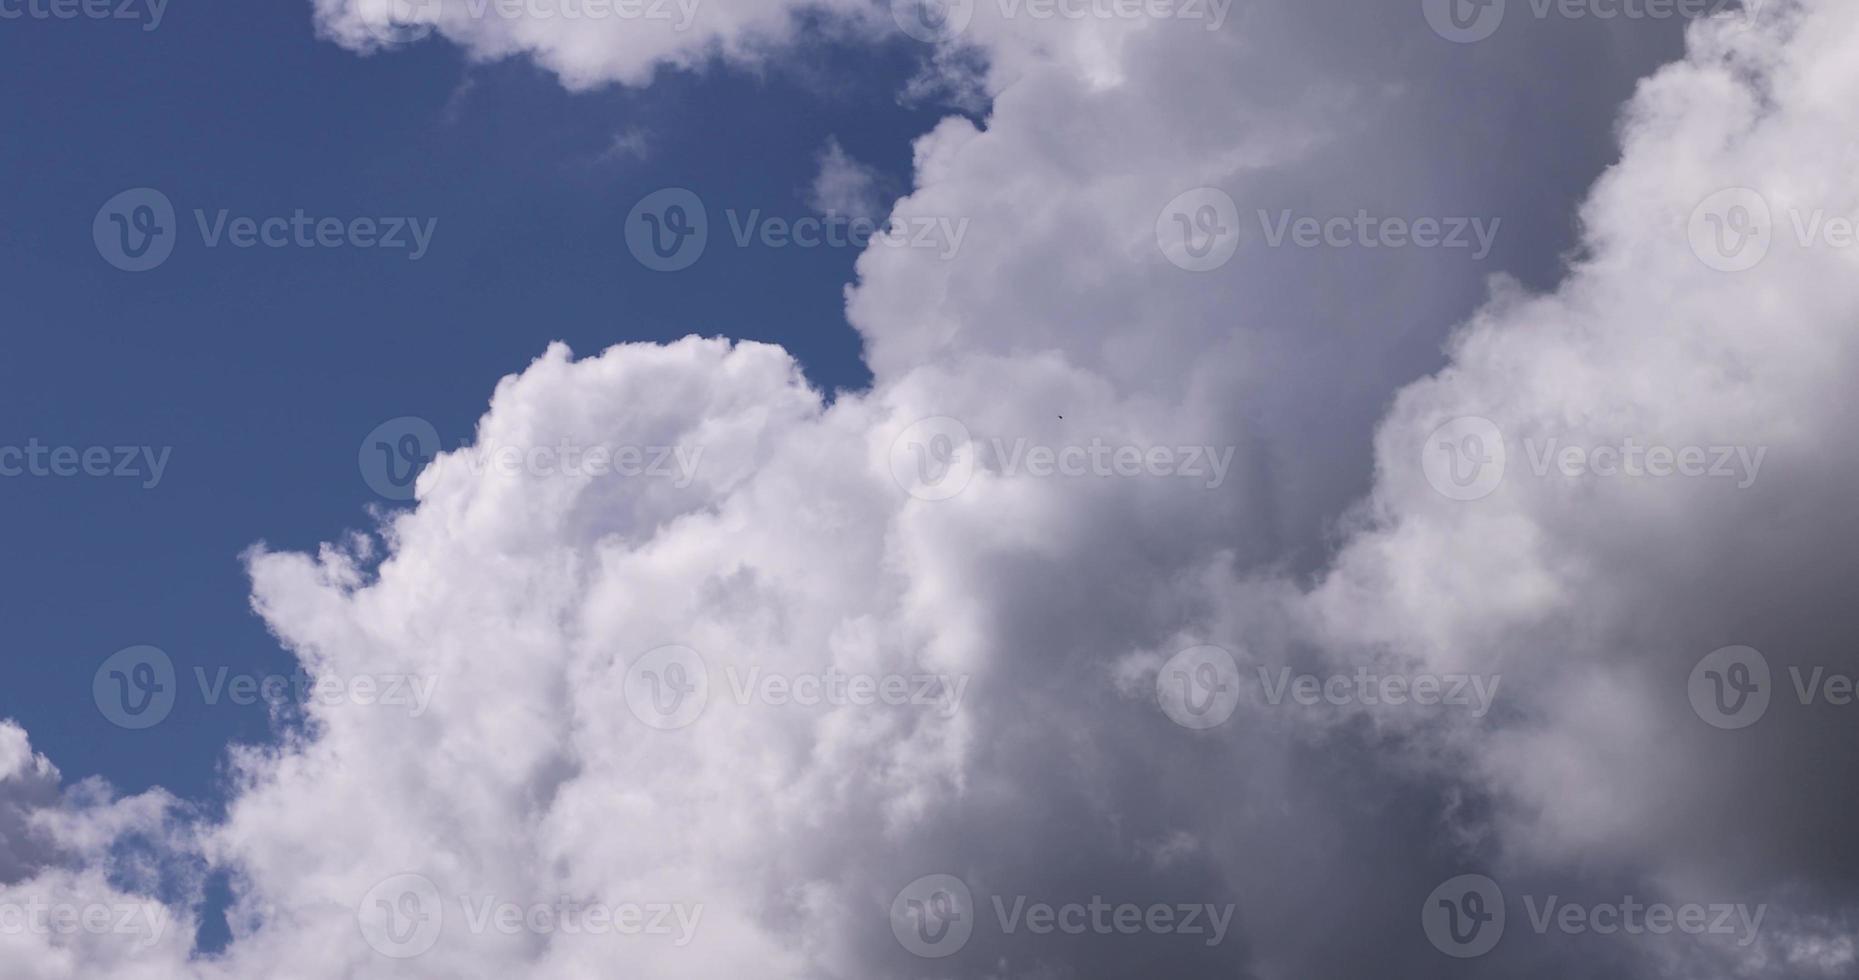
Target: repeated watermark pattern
{"x": 405, "y": 916}
{"x": 138, "y": 230}
{"x": 1468, "y": 21}
{"x": 394, "y": 454}
{"x": 936, "y": 458}
{"x": 143, "y": 923}
{"x": 1365, "y": 230}
{"x": 137, "y": 688}
{"x": 1733, "y": 229}
{"x": 669, "y": 687}
{"x": 147, "y": 13}
{"x": 943, "y": 21}
{"x": 1199, "y": 230}
{"x": 669, "y": 229}
{"x": 407, "y": 21}
{"x": 1465, "y": 917}
{"x": 37, "y": 460}
{"x": 1201, "y": 687}
{"x": 1465, "y": 458}
{"x": 1733, "y": 687}
{"x": 936, "y": 915}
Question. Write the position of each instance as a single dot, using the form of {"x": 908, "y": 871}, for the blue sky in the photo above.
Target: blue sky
{"x": 263, "y": 369}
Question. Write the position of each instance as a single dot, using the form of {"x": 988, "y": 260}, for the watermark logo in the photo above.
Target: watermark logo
{"x": 933, "y": 459}
{"x": 1199, "y": 687}
{"x": 836, "y": 688}
{"x": 936, "y": 458}
{"x": 1464, "y": 458}
{"x": 1734, "y": 229}
{"x": 1199, "y": 230}
{"x": 1463, "y": 21}
{"x": 1730, "y": 687}
{"x": 135, "y": 688}
{"x": 1733, "y": 687}
{"x": 404, "y": 916}
{"x": 1464, "y": 917}
{"x": 566, "y": 916}
{"x": 942, "y": 235}
{"x": 1731, "y": 230}
{"x": 1466, "y": 21}
{"x": 135, "y": 231}
{"x": 941, "y": 21}
{"x": 933, "y": 21}
{"x": 401, "y": 917}
{"x": 392, "y": 456}
{"x": 668, "y": 687}
{"x": 668, "y": 229}
{"x": 934, "y": 916}
{"x": 396, "y": 22}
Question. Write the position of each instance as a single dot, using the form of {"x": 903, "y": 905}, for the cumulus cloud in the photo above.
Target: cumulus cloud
{"x": 585, "y": 42}
{"x": 603, "y": 733}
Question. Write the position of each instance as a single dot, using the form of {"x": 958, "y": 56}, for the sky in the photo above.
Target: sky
{"x": 1368, "y": 477}
{"x": 263, "y": 370}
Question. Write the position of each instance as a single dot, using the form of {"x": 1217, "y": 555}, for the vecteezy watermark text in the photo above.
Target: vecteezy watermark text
{"x": 1466, "y": 916}
{"x": 1465, "y": 459}
{"x": 137, "y": 230}
{"x": 404, "y": 21}
{"x": 935, "y": 458}
{"x": 669, "y": 229}
{"x": 1199, "y": 230}
{"x": 38, "y": 460}
{"x": 1365, "y": 230}
{"x": 148, "y": 12}
{"x": 1733, "y": 687}
{"x": 393, "y": 455}
{"x": 146, "y": 922}
{"x": 1733, "y": 229}
{"x": 941, "y": 21}
{"x": 404, "y": 916}
{"x": 137, "y": 688}
{"x": 1466, "y": 21}
{"x": 935, "y": 916}
{"x": 1200, "y": 687}
{"x": 669, "y": 687}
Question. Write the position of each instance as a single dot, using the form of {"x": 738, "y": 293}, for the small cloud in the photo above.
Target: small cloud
{"x": 844, "y": 186}
{"x": 455, "y": 103}
{"x": 632, "y": 143}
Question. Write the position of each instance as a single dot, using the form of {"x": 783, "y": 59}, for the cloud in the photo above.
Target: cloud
{"x": 631, "y": 143}
{"x": 586, "y": 43}
{"x": 911, "y": 532}
{"x": 844, "y": 186}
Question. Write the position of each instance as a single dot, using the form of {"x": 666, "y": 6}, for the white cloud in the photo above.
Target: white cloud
{"x": 529, "y": 599}
{"x": 844, "y": 186}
